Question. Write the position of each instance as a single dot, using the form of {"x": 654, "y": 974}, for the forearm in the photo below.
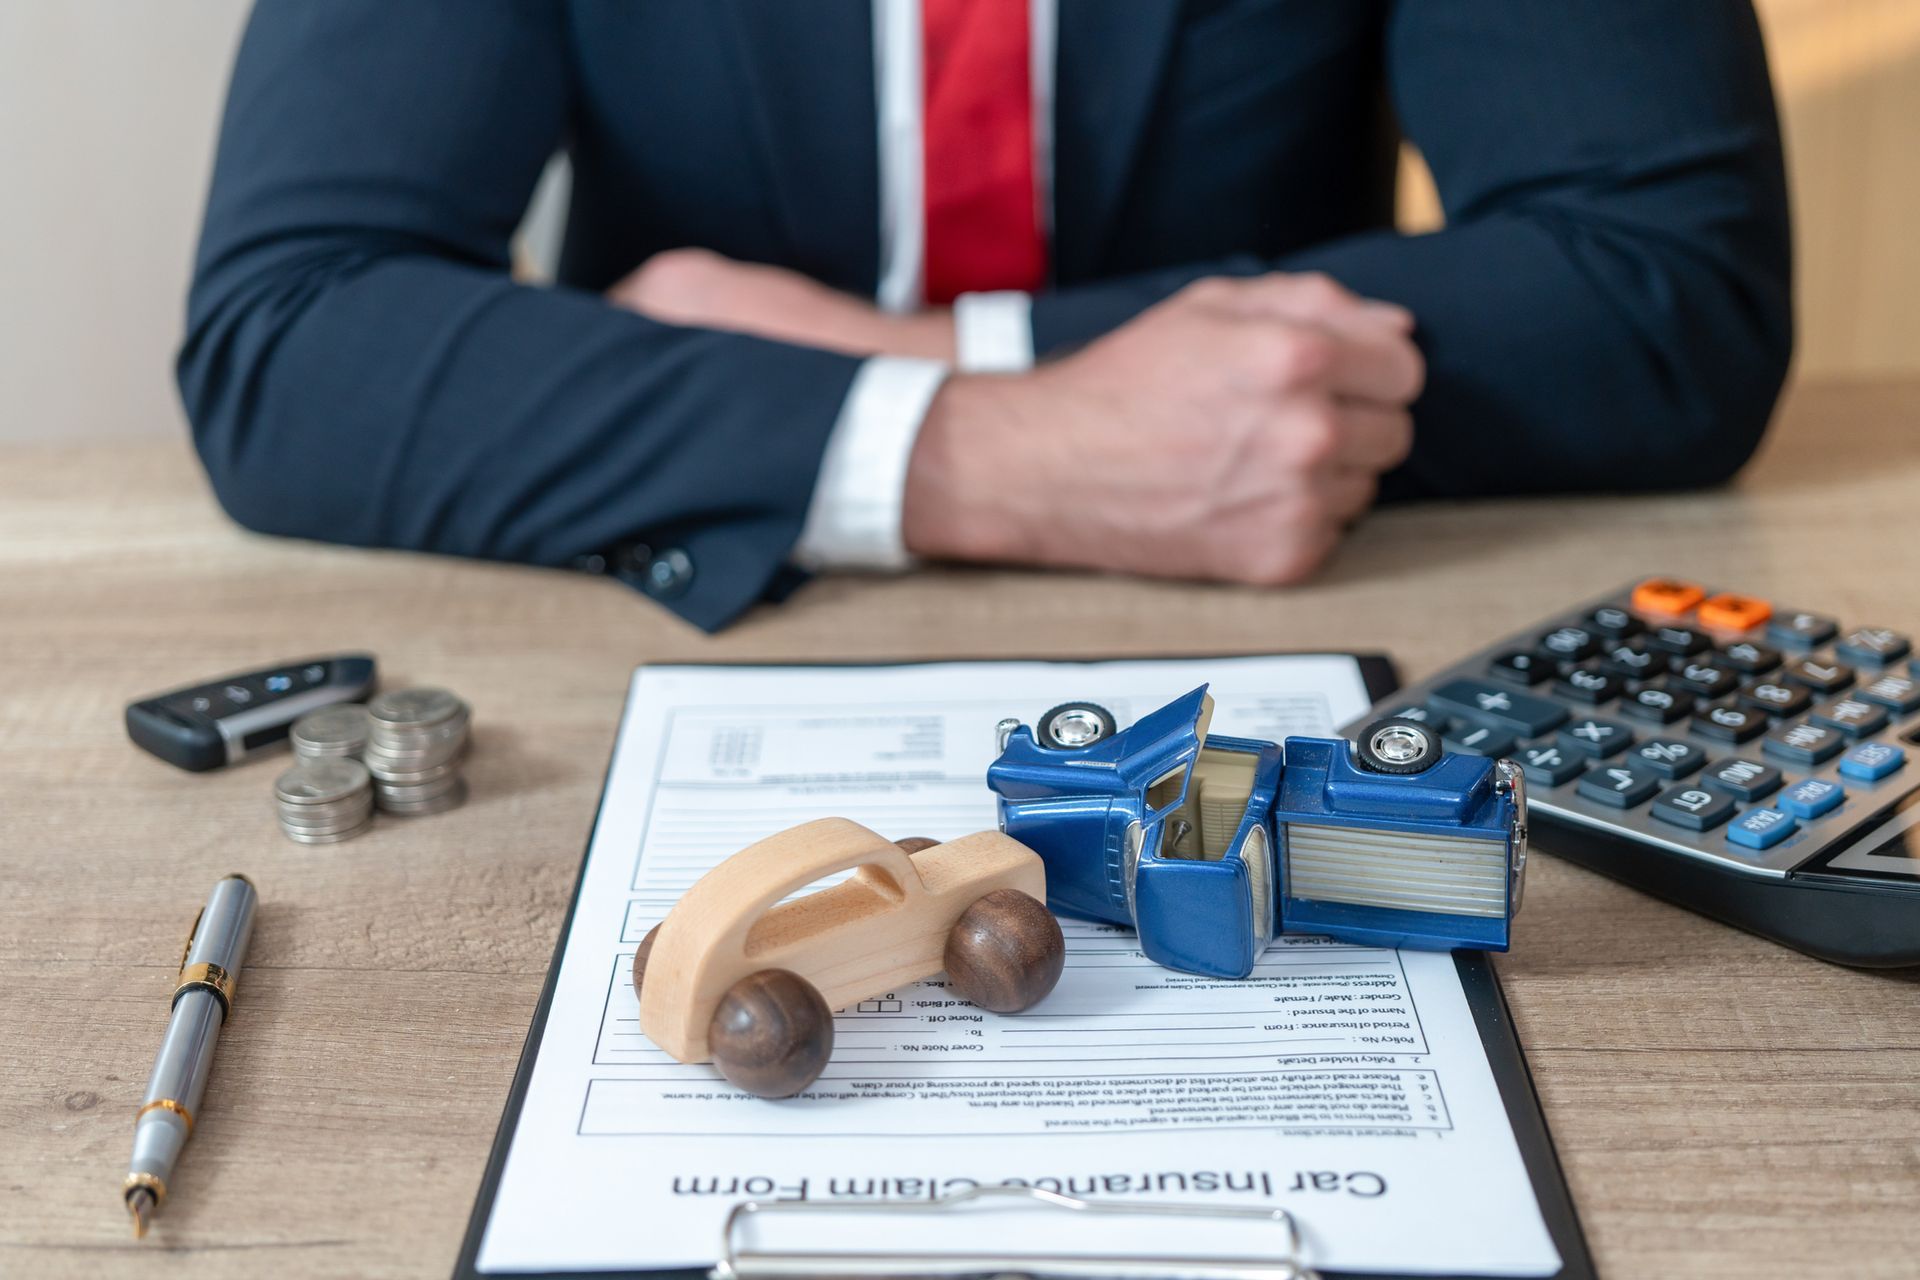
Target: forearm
{"x": 414, "y": 402}
{"x": 359, "y": 366}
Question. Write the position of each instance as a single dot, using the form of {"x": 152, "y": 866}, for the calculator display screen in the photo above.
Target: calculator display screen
{"x": 1889, "y": 845}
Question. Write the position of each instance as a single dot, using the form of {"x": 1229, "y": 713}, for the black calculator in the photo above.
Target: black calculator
{"x": 1751, "y": 762}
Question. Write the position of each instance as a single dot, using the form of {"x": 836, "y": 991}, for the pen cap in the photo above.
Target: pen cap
{"x": 226, "y": 923}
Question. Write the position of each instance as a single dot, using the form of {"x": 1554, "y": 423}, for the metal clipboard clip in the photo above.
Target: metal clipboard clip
{"x": 737, "y": 1263}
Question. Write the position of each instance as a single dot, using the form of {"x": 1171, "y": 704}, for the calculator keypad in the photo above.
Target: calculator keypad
{"x": 1708, "y": 722}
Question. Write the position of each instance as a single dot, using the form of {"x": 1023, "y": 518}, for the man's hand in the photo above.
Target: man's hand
{"x": 1231, "y": 432}
{"x": 702, "y": 289}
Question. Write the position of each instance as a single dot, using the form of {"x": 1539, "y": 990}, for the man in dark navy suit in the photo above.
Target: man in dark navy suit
{"x": 1097, "y": 283}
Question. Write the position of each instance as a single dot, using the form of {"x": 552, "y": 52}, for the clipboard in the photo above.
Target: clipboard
{"x": 1492, "y": 1018}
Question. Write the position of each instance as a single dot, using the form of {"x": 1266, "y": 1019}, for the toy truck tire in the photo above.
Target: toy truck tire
{"x": 1073, "y": 725}
{"x": 1398, "y": 745}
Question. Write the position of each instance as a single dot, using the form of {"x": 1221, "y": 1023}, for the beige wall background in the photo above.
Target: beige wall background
{"x": 107, "y": 119}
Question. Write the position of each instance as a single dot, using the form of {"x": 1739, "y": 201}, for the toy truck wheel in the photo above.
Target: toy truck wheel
{"x": 1073, "y": 725}
{"x": 1398, "y": 745}
{"x": 1005, "y": 952}
{"x": 771, "y": 1033}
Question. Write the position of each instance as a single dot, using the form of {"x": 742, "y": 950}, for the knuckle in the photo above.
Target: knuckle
{"x": 1313, "y": 436}
{"x": 1416, "y": 374}
{"x": 1208, "y": 291}
{"x": 1321, "y": 291}
{"x": 674, "y": 269}
{"x": 1300, "y": 355}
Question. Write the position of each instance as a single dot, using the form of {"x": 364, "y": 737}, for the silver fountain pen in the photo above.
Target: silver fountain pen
{"x": 209, "y": 967}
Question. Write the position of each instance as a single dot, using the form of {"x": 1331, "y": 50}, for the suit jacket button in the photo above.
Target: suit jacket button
{"x": 669, "y": 574}
{"x": 630, "y": 560}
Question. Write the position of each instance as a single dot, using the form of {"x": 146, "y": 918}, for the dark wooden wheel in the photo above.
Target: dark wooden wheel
{"x": 914, "y": 844}
{"x": 640, "y": 959}
{"x": 771, "y": 1033}
{"x": 1005, "y": 952}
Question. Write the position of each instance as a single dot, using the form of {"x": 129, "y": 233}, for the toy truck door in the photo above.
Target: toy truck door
{"x": 1155, "y": 754}
{"x": 1197, "y": 915}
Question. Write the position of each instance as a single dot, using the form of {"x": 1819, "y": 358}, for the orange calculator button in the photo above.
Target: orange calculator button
{"x": 1728, "y": 612}
{"x": 1666, "y": 595}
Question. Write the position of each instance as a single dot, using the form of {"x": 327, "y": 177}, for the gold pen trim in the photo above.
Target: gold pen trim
{"x": 166, "y": 1104}
{"x": 137, "y": 1181}
{"x": 193, "y": 931}
{"x": 207, "y": 977}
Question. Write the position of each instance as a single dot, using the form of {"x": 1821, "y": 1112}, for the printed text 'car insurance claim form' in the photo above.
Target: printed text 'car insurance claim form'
{"x": 1346, "y": 1084}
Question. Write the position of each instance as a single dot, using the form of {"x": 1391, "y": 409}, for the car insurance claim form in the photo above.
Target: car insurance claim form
{"x": 1345, "y": 1084}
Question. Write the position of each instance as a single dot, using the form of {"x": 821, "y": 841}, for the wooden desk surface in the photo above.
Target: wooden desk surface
{"x": 1724, "y": 1107}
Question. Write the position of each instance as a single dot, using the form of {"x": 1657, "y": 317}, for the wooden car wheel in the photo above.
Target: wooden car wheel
{"x": 771, "y": 1033}
{"x": 1005, "y": 952}
{"x": 640, "y": 959}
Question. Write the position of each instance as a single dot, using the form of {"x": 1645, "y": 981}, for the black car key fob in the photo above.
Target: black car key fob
{"x": 218, "y": 722}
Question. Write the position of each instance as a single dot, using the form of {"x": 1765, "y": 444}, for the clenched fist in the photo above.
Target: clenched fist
{"x": 1231, "y": 432}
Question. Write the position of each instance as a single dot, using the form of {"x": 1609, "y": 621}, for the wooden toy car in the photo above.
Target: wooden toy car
{"x": 731, "y": 977}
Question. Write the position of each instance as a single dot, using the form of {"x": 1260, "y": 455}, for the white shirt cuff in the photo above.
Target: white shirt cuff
{"x": 993, "y": 332}
{"x": 853, "y": 521}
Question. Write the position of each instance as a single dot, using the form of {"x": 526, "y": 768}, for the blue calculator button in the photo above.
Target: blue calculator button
{"x": 1812, "y": 797}
{"x": 1872, "y": 761}
{"x": 1761, "y": 828}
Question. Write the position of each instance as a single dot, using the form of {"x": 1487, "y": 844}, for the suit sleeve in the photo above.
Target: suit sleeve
{"x": 360, "y": 367}
{"x": 1609, "y": 305}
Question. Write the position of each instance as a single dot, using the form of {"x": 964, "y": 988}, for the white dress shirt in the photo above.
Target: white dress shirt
{"x": 853, "y": 520}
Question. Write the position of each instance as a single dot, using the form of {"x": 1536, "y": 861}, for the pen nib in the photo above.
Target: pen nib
{"x": 139, "y": 1205}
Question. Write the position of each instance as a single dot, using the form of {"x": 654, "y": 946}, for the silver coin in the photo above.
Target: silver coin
{"x": 444, "y": 744}
{"x": 414, "y": 708}
{"x": 421, "y": 778}
{"x": 327, "y": 820}
{"x": 341, "y": 729}
{"x": 314, "y": 833}
{"x": 314, "y": 815}
{"x": 424, "y": 791}
{"x": 321, "y": 781}
{"x": 414, "y": 761}
{"x": 452, "y": 799}
{"x": 327, "y": 837}
{"x": 413, "y": 771}
{"x": 394, "y": 724}
{"x": 305, "y": 752}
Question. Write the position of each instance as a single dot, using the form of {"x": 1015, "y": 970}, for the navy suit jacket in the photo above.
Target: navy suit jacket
{"x": 1607, "y": 308}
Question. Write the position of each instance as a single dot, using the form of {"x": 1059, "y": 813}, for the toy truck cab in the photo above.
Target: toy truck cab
{"x": 1212, "y": 846}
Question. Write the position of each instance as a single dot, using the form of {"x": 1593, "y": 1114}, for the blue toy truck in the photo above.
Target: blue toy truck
{"x": 1211, "y": 847}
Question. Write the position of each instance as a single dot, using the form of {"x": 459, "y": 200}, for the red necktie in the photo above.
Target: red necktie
{"x": 982, "y": 210}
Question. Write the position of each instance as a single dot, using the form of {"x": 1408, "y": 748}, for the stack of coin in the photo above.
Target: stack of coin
{"x": 340, "y": 730}
{"x": 414, "y": 750}
{"x": 324, "y": 801}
